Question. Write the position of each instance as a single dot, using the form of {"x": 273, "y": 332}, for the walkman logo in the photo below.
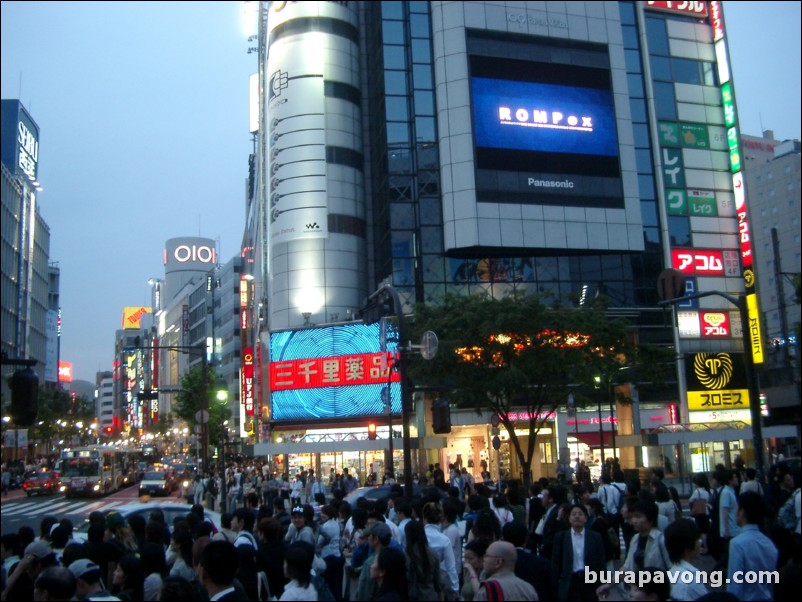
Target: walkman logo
{"x": 312, "y": 226}
{"x": 714, "y": 370}
{"x": 537, "y": 118}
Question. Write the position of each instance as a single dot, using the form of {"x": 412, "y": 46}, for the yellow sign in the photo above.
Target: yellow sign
{"x": 133, "y": 315}
{"x": 729, "y": 399}
{"x": 755, "y": 336}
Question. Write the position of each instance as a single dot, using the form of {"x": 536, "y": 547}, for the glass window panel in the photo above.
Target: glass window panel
{"x": 651, "y": 236}
{"x": 665, "y": 101}
{"x": 395, "y": 82}
{"x": 392, "y": 10}
{"x": 641, "y": 133}
{"x": 632, "y": 61}
{"x": 394, "y": 57}
{"x": 424, "y": 129}
{"x": 421, "y": 51}
{"x": 646, "y": 187}
{"x": 402, "y": 215}
{"x": 418, "y": 6}
{"x": 393, "y": 32}
{"x": 431, "y": 240}
{"x": 679, "y": 229}
{"x": 430, "y": 213}
{"x": 661, "y": 68}
{"x": 638, "y": 109}
{"x": 422, "y": 77}
{"x": 419, "y": 25}
{"x": 399, "y": 161}
{"x": 709, "y": 74}
{"x": 398, "y": 133}
{"x": 396, "y": 107}
{"x": 643, "y": 159}
{"x": 630, "y": 37}
{"x": 627, "y": 11}
{"x": 635, "y": 86}
{"x": 686, "y": 71}
{"x": 658, "y": 38}
{"x": 424, "y": 102}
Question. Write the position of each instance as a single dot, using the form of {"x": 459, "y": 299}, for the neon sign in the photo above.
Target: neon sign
{"x": 693, "y": 261}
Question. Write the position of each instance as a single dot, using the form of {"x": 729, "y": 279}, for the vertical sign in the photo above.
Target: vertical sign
{"x": 738, "y": 180}
{"x": 247, "y": 391}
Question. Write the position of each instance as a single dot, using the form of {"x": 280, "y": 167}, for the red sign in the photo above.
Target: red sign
{"x": 360, "y": 369}
{"x": 716, "y": 21}
{"x": 715, "y": 324}
{"x": 695, "y": 261}
{"x": 698, "y": 9}
{"x": 247, "y": 383}
{"x": 64, "y": 372}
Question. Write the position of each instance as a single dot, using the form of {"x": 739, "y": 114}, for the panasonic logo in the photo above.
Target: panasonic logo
{"x": 550, "y": 183}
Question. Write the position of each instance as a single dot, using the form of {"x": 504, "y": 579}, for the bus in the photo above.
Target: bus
{"x": 98, "y": 470}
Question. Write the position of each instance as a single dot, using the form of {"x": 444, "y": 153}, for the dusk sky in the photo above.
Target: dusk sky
{"x": 143, "y": 115}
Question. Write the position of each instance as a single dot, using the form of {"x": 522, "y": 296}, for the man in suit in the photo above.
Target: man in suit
{"x": 574, "y": 550}
{"x": 528, "y": 566}
{"x": 549, "y": 524}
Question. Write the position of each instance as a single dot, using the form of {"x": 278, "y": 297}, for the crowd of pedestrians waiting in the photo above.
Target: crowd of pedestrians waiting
{"x": 460, "y": 540}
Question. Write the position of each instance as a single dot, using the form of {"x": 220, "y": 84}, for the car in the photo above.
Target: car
{"x": 171, "y": 512}
{"x": 42, "y": 483}
{"x": 382, "y": 492}
{"x": 155, "y": 483}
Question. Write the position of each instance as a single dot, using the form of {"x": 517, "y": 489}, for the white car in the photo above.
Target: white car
{"x": 155, "y": 483}
{"x": 143, "y": 509}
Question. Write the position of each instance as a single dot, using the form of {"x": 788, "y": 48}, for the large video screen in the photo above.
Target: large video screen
{"x": 333, "y": 372}
{"x": 551, "y": 124}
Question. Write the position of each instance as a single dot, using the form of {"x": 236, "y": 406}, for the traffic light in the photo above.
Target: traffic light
{"x": 24, "y": 397}
{"x": 108, "y": 431}
{"x": 441, "y": 417}
{"x": 372, "y": 431}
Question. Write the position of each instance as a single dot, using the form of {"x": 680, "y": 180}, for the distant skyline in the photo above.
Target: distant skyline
{"x": 143, "y": 113}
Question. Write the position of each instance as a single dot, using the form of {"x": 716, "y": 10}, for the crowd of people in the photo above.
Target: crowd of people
{"x": 460, "y": 539}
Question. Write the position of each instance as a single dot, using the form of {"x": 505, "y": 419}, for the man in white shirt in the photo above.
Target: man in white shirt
{"x": 441, "y": 546}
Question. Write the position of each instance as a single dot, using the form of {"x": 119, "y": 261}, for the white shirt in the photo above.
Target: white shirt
{"x": 441, "y": 546}
{"x": 219, "y": 595}
{"x": 578, "y": 544}
{"x": 402, "y": 537}
{"x": 693, "y": 590}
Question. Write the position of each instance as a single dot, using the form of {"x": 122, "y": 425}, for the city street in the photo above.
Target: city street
{"x": 18, "y": 510}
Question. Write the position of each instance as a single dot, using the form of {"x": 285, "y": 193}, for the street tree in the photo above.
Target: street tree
{"x": 520, "y": 359}
{"x": 195, "y": 384}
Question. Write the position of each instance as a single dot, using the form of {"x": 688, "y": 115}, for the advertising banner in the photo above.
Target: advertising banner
{"x": 716, "y": 381}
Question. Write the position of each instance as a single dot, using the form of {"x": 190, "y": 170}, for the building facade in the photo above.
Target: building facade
{"x": 565, "y": 149}
{"x": 26, "y": 278}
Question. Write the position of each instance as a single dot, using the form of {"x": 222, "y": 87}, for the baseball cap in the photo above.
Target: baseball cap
{"x": 381, "y": 531}
{"x": 80, "y": 568}
{"x": 297, "y": 510}
{"x": 38, "y": 549}
{"x": 114, "y": 520}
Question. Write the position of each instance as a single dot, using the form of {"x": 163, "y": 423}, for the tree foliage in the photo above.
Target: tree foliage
{"x": 56, "y": 406}
{"x": 519, "y": 358}
{"x": 196, "y": 384}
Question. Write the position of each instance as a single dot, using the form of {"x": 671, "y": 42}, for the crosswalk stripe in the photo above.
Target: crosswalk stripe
{"x": 50, "y": 508}
{"x": 16, "y": 508}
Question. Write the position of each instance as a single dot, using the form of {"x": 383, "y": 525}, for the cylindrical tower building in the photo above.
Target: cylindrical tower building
{"x": 315, "y": 188}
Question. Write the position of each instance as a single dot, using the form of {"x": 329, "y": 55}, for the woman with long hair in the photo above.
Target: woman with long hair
{"x": 423, "y": 566}
{"x": 486, "y": 525}
{"x": 388, "y": 570}
{"x": 121, "y": 541}
{"x": 270, "y": 554}
{"x": 181, "y": 545}
{"x": 129, "y": 578}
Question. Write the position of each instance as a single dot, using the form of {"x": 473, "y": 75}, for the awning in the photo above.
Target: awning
{"x": 591, "y": 439}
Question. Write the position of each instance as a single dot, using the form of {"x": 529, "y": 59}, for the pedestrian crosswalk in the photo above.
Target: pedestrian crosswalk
{"x": 57, "y": 507}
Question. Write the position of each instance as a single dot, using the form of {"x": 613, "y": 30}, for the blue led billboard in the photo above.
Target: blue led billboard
{"x": 334, "y": 372}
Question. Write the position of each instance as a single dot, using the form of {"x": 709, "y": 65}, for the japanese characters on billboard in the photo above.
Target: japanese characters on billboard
{"x": 716, "y": 381}
{"x": 332, "y": 372}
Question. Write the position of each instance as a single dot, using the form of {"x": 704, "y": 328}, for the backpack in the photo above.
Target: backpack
{"x": 787, "y": 514}
{"x": 212, "y": 487}
{"x": 699, "y": 507}
{"x": 622, "y": 496}
{"x": 494, "y": 592}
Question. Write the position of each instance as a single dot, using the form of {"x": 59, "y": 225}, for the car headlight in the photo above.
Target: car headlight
{"x": 62, "y": 488}
{"x": 186, "y": 483}
{"x": 97, "y": 487}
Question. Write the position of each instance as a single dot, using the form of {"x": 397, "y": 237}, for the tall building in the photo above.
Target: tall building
{"x": 773, "y": 181}
{"x": 104, "y": 401}
{"x": 572, "y": 149}
{"x": 26, "y": 277}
